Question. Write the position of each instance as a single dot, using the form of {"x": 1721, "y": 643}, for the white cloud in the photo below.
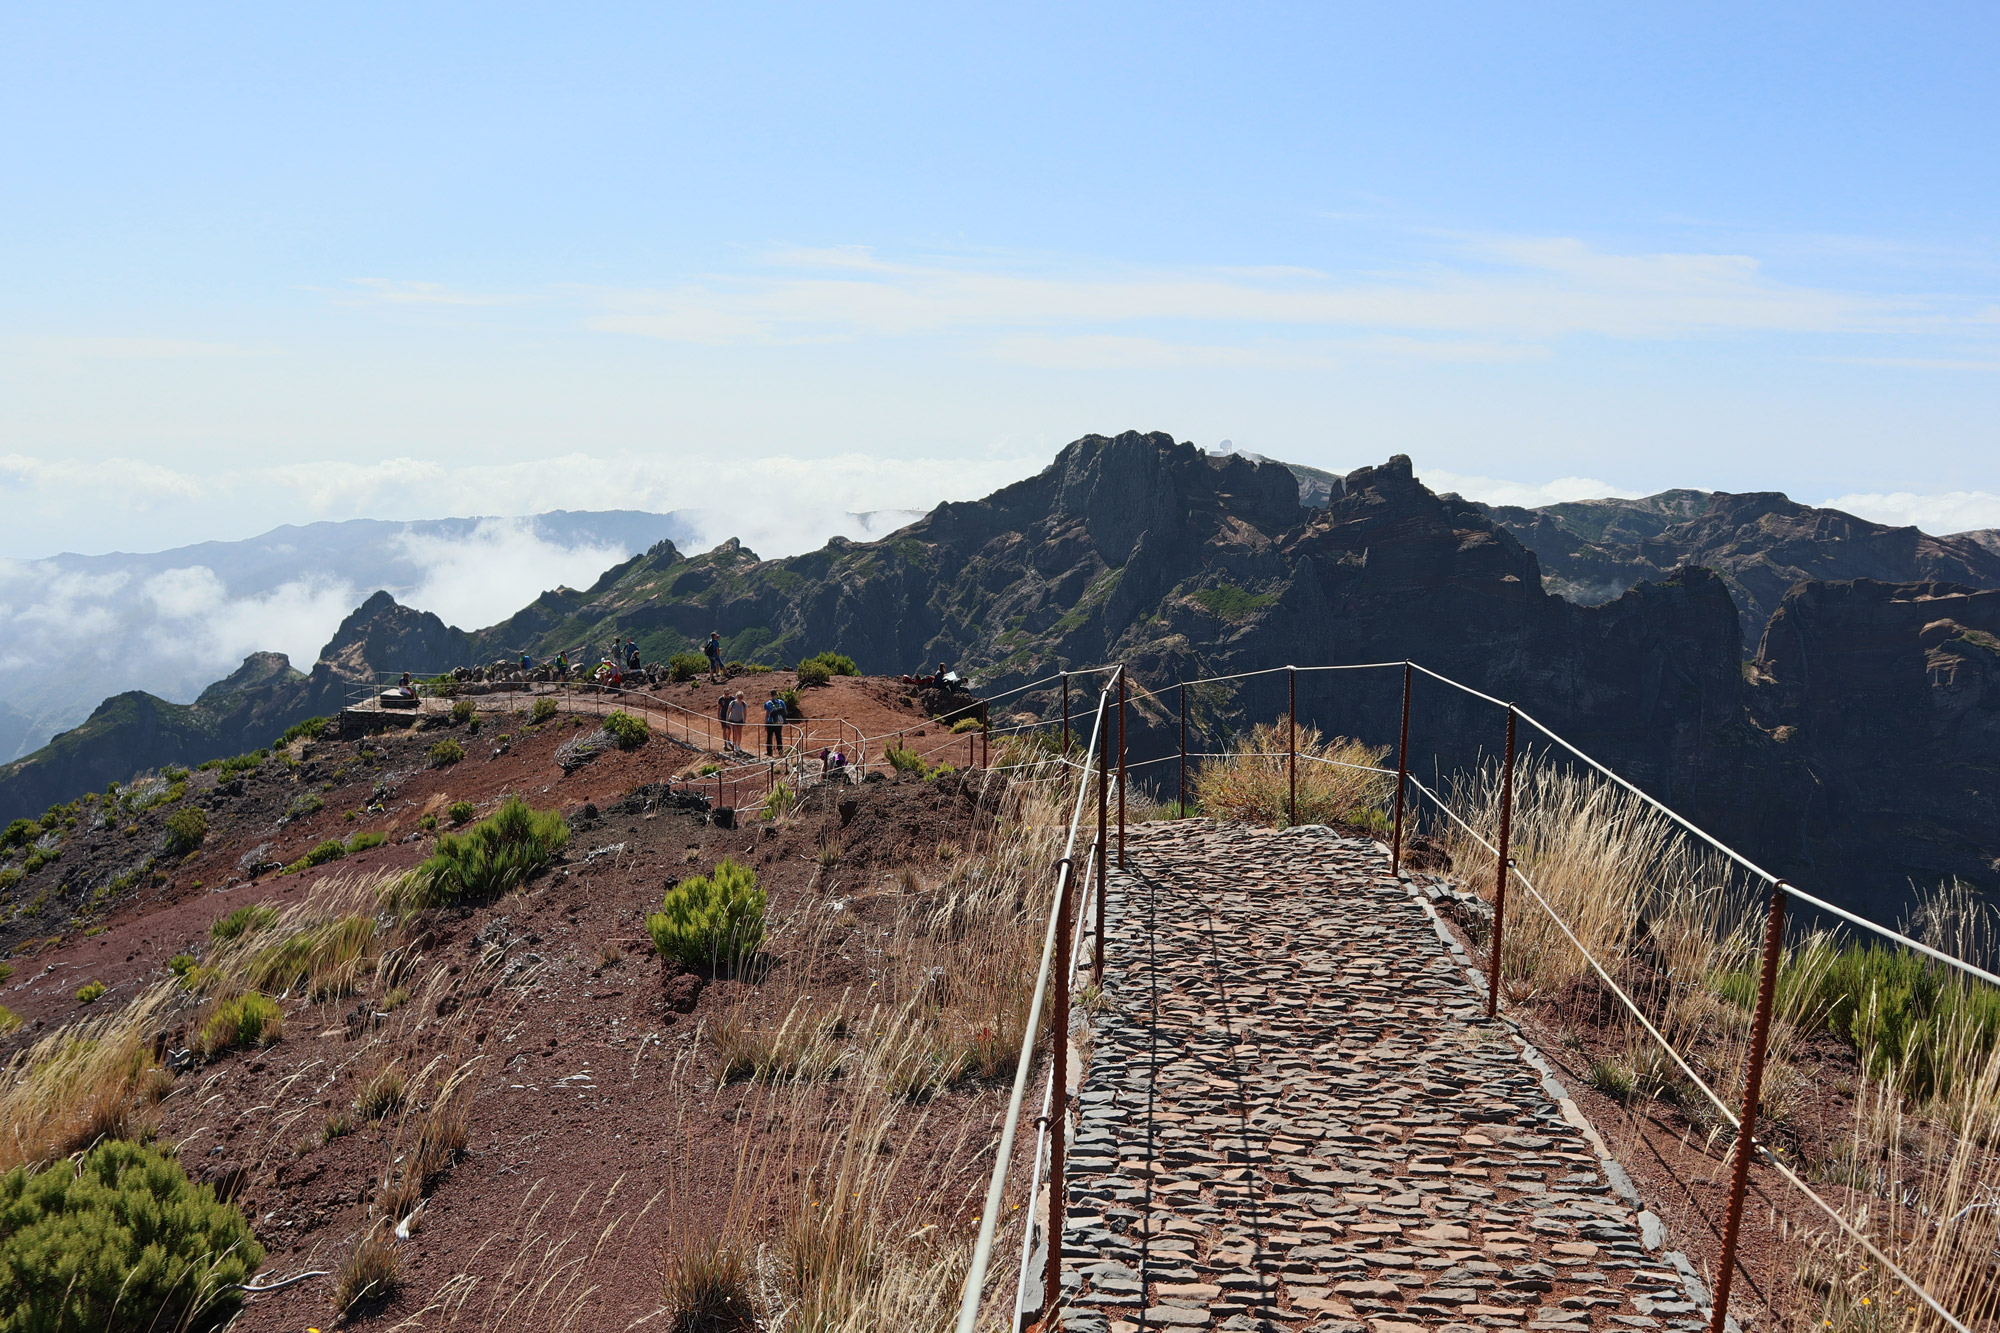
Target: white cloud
{"x": 1528, "y": 495}
{"x": 124, "y": 477}
{"x": 482, "y": 579}
{"x": 1943, "y": 513}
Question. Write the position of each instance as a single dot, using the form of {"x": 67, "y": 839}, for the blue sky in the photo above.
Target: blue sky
{"x": 268, "y": 264}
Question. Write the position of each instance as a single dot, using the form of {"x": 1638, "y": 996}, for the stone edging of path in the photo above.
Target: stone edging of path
{"x": 1652, "y": 1231}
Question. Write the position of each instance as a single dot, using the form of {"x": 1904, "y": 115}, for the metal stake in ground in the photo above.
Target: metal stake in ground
{"x": 1065, "y": 683}
{"x": 1103, "y": 756}
{"x": 1121, "y": 768}
{"x": 1292, "y": 747}
{"x": 1500, "y": 872}
{"x": 1753, "y": 1087}
{"x": 1059, "y": 1102}
{"x": 1181, "y": 811}
{"x": 1402, "y": 777}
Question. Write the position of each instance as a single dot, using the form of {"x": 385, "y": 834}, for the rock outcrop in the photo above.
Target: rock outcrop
{"x": 1760, "y": 543}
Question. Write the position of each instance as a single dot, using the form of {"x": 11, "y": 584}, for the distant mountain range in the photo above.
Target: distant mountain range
{"x": 1857, "y": 749}
{"x": 76, "y": 629}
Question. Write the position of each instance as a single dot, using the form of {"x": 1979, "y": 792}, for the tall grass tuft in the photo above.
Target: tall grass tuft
{"x": 1251, "y": 785}
{"x": 494, "y": 856}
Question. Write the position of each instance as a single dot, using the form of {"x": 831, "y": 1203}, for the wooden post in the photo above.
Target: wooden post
{"x": 1500, "y": 872}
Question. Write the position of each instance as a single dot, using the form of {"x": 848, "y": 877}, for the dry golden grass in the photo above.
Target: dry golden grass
{"x": 84, "y": 1082}
{"x": 1252, "y": 785}
{"x": 371, "y": 1273}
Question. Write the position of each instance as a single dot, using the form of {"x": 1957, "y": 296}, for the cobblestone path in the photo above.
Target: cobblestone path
{"x": 1296, "y": 1117}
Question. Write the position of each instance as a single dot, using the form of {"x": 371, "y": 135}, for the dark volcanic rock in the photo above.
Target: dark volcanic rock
{"x": 1761, "y": 543}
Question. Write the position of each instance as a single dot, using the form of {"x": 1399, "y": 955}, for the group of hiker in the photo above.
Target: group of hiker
{"x": 732, "y": 711}
{"x": 623, "y": 658}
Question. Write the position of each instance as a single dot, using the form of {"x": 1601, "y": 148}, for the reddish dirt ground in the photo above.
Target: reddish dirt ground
{"x": 571, "y": 1027}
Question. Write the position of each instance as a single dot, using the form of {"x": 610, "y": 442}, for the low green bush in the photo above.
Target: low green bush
{"x": 630, "y": 732}
{"x": 711, "y": 921}
{"x": 119, "y": 1239}
{"x": 241, "y": 763}
{"x": 89, "y": 991}
{"x": 181, "y": 964}
{"x": 905, "y": 760}
{"x": 249, "y": 1019}
{"x": 498, "y": 853}
{"x": 305, "y": 805}
{"x": 40, "y": 856}
{"x": 965, "y": 724}
{"x": 812, "y": 673}
{"x": 461, "y": 812}
{"x": 428, "y": 823}
{"x": 20, "y": 833}
{"x": 835, "y": 664}
{"x": 682, "y": 667}
{"x": 794, "y": 710}
{"x": 330, "y": 850}
{"x": 307, "y": 730}
{"x": 543, "y": 710}
{"x": 446, "y": 753}
{"x": 462, "y": 711}
{"x": 251, "y": 916}
{"x": 186, "y": 827}
{"x": 362, "y": 842}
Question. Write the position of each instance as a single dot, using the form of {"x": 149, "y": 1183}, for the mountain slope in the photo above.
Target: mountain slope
{"x": 1761, "y": 543}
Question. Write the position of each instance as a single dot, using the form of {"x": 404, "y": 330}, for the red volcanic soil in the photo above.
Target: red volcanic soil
{"x": 593, "y": 1098}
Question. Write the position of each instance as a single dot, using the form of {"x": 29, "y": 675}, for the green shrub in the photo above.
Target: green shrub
{"x": 686, "y": 666}
{"x": 305, "y": 805}
{"x": 6, "y": 972}
{"x": 322, "y": 961}
{"x": 711, "y": 920}
{"x": 186, "y": 827}
{"x": 428, "y": 823}
{"x": 460, "y": 812}
{"x": 307, "y": 730}
{"x": 836, "y": 664}
{"x": 89, "y": 991}
{"x": 794, "y": 710}
{"x": 630, "y": 732}
{"x": 362, "y": 842}
{"x": 249, "y": 1019}
{"x": 497, "y": 854}
{"x": 543, "y": 710}
{"x": 812, "y": 673}
{"x": 119, "y": 1239}
{"x": 965, "y": 724}
{"x": 235, "y": 764}
{"x": 330, "y": 850}
{"x": 19, "y": 833}
{"x": 174, "y": 773}
{"x": 252, "y": 916}
{"x": 462, "y": 711}
{"x": 9, "y": 1020}
{"x": 1911, "y": 1019}
{"x": 905, "y": 760}
{"x": 10, "y": 877}
{"x": 181, "y": 964}
{"x": 39, "y": 857}
{"x": 446, "y": 753}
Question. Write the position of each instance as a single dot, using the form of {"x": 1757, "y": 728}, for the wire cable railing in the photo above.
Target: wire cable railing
{"x": 1507, "y": 872}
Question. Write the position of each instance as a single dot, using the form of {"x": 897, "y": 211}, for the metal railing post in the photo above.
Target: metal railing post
{"x": 1059, "y": 1102}
{"x": 1402, "y": 776}
{"x": 1181, "y": 812}
{"x": 1292, "y": 748}
{"x": 1753, "y": 1088}
{"x": 1500, "y": 872}
{"x": 1121, "y": 768}
{"x": 1103, "y": 790}
{"x": 1065, "y": 692}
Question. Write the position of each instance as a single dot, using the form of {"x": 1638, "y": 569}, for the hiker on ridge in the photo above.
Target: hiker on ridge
{"x": 713, "y": 650}
{"x": 774, "y": 724}
{"x": 738, "y": 710}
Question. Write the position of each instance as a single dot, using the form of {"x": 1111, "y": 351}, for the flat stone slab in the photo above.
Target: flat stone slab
{"x": 1296, "y": 1117}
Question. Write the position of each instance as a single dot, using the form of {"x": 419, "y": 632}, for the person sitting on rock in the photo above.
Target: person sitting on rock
{"x": 404, "y": 687}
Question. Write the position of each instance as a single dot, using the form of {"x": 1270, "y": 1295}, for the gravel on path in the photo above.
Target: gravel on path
{"x": 1296, "y": 1116}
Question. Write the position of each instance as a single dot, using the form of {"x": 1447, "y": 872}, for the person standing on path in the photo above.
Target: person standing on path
{"x": 722, "y": 716}
{"x": 713, "y": 650}
{"x": 774, "y": 724}
{"x": 738, "y": 710}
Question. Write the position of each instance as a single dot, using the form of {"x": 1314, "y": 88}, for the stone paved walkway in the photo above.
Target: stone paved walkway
{"x": 1295, "y": 1117}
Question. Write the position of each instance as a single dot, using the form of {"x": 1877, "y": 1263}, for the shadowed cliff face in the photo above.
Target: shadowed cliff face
{"x": 1885, "y": 702}
{"x": 1761, "y": 543}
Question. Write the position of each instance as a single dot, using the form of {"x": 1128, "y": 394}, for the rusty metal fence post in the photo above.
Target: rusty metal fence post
{"x": 1121, "y": 768}
{"x": 1402, "y": 776}
{"x": 1181, "y": 810}
{"x": 1292, "y": 747}
{"x": 1065, "y": 692}
{"x": 1500, "y": 871}
{"x": 1059, "y": 1100}
{"x": 1753, "y": 1088}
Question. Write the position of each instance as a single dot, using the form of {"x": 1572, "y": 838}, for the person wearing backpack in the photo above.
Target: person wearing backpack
{"x": 713, "y": 650}
{"x": 774, "y": 725}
